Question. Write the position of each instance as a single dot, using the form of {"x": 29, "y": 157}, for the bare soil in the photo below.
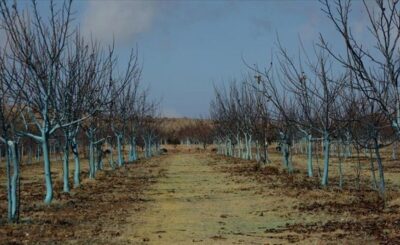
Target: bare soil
{"x": 208, "y": 199}
{"x": 93, "y": 213}
{"x": 199, "y": 197}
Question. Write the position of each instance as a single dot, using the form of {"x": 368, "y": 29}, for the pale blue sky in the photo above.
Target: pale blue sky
{"x": 186, "y": 46}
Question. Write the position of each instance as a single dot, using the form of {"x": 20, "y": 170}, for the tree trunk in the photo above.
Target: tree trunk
{"x": 146, "y": 147}
{"x": 286, "y": 156}
{"x": 327, "y": 146}
{"x": 394, "y": 151}
{"x": 340, "y": 155}
{"x": 250, "y": 155}
{"x": 92, "y": 173}
{"x": 99, "y": 162}
{"x": 13, "y": 182}
{"x": 266, "y": 157}
{"x": 246, "y": 154}
{"x": 119, "y": 149}
{"x": 158, "y": 148}
{"x": 132, "y": 152}
{"x": 150, "y": 144}
{"x": 258, "y": 151}
{"x": 309, "y": 156}
{"x": 66, "y": 165}
{"x": 374, "y": 182}
{"x": 77, "y": 170}
{"x": 239, "y": 146}
{"x": 230, "y": 148}
{"x": 47, "y": 169}
{"x": 358, "y": 169}
{"x": 380, "y": 170}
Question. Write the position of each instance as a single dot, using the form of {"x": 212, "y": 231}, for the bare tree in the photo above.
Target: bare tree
{"x": 314, "y": 97}
{"x": 38, "y": 46}
{"x": 375, "y": 67}
{"x": 123, "y": 105}
{"x": 9, "y": 105}
{"x": 318, "y": 96}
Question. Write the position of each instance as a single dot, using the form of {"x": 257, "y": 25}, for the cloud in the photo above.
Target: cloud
{"x": 123, "y": 20}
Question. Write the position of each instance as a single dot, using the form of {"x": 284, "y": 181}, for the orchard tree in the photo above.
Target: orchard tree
{"x": 122, "y": 106}
{"x": 374, "y": 66}
{"x": 9, "y": 105}
{"x": 38, "y": 46}
{"x": 84, "y": 79}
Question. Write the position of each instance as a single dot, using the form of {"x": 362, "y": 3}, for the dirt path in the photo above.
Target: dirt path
{"x": 191, "y": 202}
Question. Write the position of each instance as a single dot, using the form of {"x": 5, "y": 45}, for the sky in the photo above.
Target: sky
{"x": 187, "y": 47}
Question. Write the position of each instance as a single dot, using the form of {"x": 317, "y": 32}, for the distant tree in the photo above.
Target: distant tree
{"x": 203, "y": 132}
{"x": 123, "y": 103}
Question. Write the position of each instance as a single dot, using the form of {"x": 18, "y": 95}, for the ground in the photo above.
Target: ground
{"x": 199, "y": 197}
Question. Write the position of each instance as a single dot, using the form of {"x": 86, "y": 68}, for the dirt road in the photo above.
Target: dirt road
{"x": 192, "y": 202}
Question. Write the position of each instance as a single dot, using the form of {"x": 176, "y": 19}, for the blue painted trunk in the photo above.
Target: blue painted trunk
{"x": 246, "y": 155}
{"x": 145, "y": 148}
{"x": 258, "y": 151}
{"x": 47, "y": 169}
{"x": 380, "y": 170}
{"x": 150, "y": 144}
{"x": 226, "y": 148}
{"x": 239, "y": 144}
{"x": 37, "y": 153}
{"x": 119, "y": 149}
{"x": 394, "y": 153}
{"x": 13, "y": 182}
{"x": 249, "y": 153}
{"x": 92, "y": 171}
{"x": 327, "y": 147}
{"x": 340, "y": 167}
{"x": 230, "y": 153}
{"x": 8, "y": 173}
{"x": 66, "y": 167}
{"x": 77, "y": 170}
{"x": 132, "y": 150}
{"x": 309, "y": 156}
{"x": 265, "y": 149}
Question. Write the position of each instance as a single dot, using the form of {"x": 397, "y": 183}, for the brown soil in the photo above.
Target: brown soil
{"x": 94, "y": 213}
{"x": 198, "y": 197}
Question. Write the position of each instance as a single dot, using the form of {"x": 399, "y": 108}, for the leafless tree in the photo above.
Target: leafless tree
{"x": 375, "y": 67}
{"x": 9, "y": 105}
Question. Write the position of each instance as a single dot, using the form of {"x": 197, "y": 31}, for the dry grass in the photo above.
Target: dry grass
{"x": 91, "y": 214}
{"x": 354, "y": 212}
